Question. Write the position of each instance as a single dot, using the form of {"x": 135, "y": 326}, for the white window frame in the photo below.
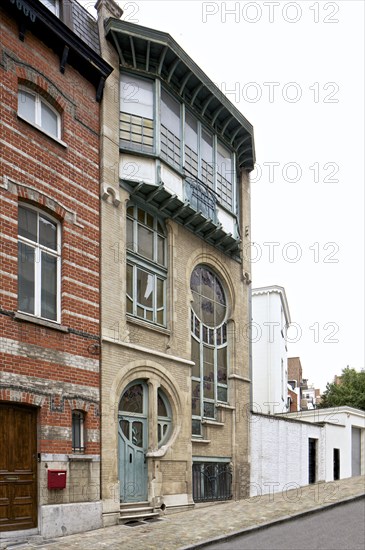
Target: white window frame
{"x": 53, "y": 6}
{"x": 38, "y": 112}
{"x": 38, "y": 248}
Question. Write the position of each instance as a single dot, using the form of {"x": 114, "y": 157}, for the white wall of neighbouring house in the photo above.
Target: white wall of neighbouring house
{"x": 269, "y": 354}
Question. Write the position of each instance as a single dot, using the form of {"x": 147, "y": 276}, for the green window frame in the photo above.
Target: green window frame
{"x": 146, "y": 266}
{"x": 153, "y": 121}
{"x": 209, "y": 346}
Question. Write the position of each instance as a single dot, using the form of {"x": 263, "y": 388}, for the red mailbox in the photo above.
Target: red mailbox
{"x": 57, "y": 479}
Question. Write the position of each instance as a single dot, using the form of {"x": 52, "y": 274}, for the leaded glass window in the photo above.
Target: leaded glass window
{"x": 164, "y": 418}
{"x": 208, "y": 345}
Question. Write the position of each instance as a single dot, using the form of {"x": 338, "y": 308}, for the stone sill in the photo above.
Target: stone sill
{"x": 146, "y": 324}
{"x": 205, "y": 441}
{"x": 212, "y": 423}
{"x": 63, "y": 457}
{"x": 38, "y": 321}
{"x": 224, "y": 406}
{"x": 81, "y": 458}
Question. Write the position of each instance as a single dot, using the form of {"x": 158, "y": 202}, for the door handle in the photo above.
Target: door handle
{"x": 11, "y": 478}
{"x": 130, "y": 458}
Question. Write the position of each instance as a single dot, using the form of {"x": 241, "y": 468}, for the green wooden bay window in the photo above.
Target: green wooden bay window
{"x": 153, "y": 121}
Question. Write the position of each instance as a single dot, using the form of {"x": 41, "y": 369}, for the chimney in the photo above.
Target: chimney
{"x": 108, "y": 8}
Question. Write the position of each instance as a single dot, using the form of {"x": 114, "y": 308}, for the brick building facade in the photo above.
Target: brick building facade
{"x": 51, "y": 83}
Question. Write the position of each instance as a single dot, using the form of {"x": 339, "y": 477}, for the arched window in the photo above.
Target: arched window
{"x": 146, "y": 266}
{"x": 33, "y": 108}
{"x": 208, "y": 345}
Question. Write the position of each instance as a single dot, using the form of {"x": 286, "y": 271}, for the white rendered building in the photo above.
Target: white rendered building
{"x": 270, "y": 319}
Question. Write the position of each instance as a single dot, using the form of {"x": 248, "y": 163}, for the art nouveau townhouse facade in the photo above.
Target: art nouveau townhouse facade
{"x": 51, "y": 83}
{"x": 175, "y": 284}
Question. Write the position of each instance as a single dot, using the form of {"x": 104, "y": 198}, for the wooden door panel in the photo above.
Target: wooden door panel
{"x": 4, "y": 440}
{"x": 4, "y": 504}
{"x": 22, "y": 451}
{"x": 18, "y": 468}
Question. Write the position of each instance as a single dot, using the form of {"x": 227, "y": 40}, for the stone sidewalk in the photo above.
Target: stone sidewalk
{"x": 191, "y": 528}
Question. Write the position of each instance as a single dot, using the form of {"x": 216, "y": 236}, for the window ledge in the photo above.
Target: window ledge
{"x": 37, "y": 321}
{"x": 40, "y": 129}
{"x": 224, "y": 406}
{"x": 80, "y": 458}
{"x": 213, "y": 423}
{"x": 205, "y": 441}
{"x": 146, "y": 324}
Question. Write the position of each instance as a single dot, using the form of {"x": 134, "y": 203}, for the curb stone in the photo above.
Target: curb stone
{"x": 268, "y": 524}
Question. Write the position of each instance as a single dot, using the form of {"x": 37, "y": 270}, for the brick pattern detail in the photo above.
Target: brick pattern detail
{"x": 56, "y": 371}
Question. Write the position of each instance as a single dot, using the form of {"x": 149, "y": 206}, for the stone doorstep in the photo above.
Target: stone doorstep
{"x": 136, "y": 511}
{"x": 18, "y": 542}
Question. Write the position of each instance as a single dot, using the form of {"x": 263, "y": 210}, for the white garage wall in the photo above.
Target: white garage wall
{"x": 279, "y": 453}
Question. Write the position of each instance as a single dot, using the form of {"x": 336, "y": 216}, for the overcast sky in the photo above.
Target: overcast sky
{"x": 296, "y": 72}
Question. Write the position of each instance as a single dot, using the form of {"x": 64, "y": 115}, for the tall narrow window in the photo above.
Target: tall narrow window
{"x": 38, "y": 264}
{"x": 208, "y": 345}
{"x": 146, "y": 266}
{"x": 34, "y": 109}
{"x": 170, "y": 129}
{"x": 191, "y": 145}
{"x": 225, "y": 176}
{"x": 78, "y": 445}
{"x": 136, "y": 113}
{"x": 164, "y": 419}
{"x": 207, "y": 173}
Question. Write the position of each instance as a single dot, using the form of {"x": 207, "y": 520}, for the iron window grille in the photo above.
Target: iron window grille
{"x": 212, "y": 481}
{"x": 78, "y": 421}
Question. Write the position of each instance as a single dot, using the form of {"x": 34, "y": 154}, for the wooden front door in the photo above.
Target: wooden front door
{"x": 18, "y": 467}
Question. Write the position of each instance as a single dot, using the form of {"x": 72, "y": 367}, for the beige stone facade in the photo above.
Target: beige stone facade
{"x": 158, "y": 355}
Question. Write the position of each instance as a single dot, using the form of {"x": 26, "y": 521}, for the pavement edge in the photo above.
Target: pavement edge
{"x": 266, "y": 525}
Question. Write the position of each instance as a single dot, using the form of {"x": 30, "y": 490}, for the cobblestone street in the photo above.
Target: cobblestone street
{"x": 187, "y": 529}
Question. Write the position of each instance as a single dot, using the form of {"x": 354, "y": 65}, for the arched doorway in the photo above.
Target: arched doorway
{"x": 133, "y": 442}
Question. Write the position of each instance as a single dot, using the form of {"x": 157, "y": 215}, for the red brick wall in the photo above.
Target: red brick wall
{"x": 65, "y": 182}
